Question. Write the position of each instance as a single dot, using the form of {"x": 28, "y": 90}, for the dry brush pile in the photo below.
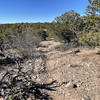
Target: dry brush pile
{"x": 17, "y": 83}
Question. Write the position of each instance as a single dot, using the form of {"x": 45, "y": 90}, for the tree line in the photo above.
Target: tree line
{"x": 67, "y": 28}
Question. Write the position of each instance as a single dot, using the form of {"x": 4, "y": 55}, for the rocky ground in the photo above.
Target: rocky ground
{"x": 76, "y": 76}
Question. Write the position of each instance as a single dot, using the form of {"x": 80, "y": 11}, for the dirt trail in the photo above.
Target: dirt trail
{"x": 82, "y": 69}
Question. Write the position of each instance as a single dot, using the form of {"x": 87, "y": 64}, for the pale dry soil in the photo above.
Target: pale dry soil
{"x": 82, "y": 69}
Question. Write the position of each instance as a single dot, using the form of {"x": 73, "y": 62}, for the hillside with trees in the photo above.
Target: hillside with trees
{"x": 65, "y": 28}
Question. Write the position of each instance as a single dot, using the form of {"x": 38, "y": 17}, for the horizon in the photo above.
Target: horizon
{"x": 23, "y": 11}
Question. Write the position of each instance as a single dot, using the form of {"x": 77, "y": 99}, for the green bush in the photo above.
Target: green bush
{"x": 42, "y": 33}
{"x": 91, "y": 39}
{"x": 63, "y": 33}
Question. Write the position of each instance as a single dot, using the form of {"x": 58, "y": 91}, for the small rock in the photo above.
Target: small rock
{"x": 71, "y": 85}
{"x": 86, "y": 97}
{"x": 1, "y": 98}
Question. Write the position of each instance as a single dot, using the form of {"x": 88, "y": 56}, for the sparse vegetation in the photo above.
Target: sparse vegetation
{"x": 23, "y": 60}
{"x": 69, "y": 27}
{"x": 18, "y": 85}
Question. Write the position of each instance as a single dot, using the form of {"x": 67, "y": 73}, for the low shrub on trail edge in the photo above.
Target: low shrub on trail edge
{"x": 18, "y": 85}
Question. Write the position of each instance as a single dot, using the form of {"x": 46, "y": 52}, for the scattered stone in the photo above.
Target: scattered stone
{"x": 1, "y": 98}
{"x": 39, "y": 65}
{"x": 74, "y": 66}
{"x": 71, "y": 85}
{"x": 86, "y": 97}
{"x": 12, "y": 53}
{"x": 74, "y": 52}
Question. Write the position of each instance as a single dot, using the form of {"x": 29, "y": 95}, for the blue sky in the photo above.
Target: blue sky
{"x": 12, "y": 11}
